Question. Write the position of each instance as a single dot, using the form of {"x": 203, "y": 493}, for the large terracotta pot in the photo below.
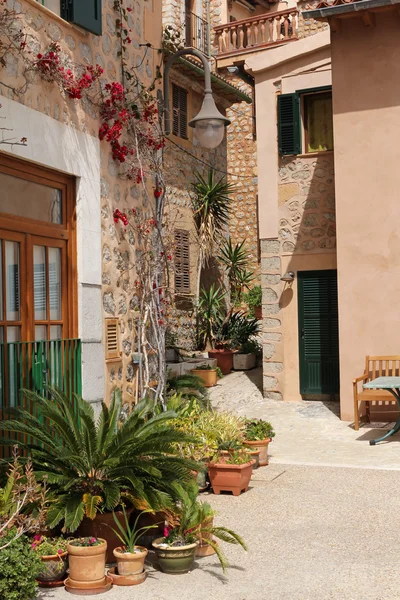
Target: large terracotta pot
{"x": 262, "y": 446}
{"x": 209, "y": 376}
{"x": 87, "y": 565}
{"x": 54, "y": 568}
{"x": 224, "y": 359}
{"x": 174, "y": 560}
{"x": 230, "y": 478}
{"x": 100, "y": 527}
{"x": 130, "y": 564}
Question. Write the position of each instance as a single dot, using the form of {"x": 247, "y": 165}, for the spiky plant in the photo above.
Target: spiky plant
{"x": 210, "y": 316}
{"x": 210, "y": 205}
{"x": 187, "y": 386}
{"x": 89, "y": 464}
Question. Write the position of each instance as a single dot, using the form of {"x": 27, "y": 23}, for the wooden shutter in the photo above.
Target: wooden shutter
{"x": 85, "y": 13}
{"x": 179, "y": 107}
{"x": 182, "y": 261}
{"x": 112, "y": 339}
{"x": 319, "y": 332}
{"x": 289, "y": 136}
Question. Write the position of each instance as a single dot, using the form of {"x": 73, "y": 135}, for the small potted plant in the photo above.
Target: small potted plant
{"x": 246, "y": 357}
{"x": 207, "y": 374}
{"x": 54, "y": 555}
{"x": 87, "y": 561}
{"x": 258, "y": 434}
{"x": 231, "y": 473}
{"x": 254, "y": 302}
{"x": 130, "y": 557}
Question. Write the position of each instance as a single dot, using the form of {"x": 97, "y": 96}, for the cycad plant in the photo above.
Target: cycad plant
{"x": 91, "y": 465}
{"x": 210, "y": 205}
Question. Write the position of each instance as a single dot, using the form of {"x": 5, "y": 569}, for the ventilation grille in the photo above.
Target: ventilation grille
{"x": 112, "y": 339}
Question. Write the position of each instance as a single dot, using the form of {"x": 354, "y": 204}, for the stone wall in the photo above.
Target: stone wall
{"x": 308, "y": 27}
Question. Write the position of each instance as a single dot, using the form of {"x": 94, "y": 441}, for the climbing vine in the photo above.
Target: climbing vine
{"x": 129, "y": 122}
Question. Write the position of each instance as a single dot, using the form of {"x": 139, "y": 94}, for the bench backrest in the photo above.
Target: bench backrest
{"x": 382, "y": 366}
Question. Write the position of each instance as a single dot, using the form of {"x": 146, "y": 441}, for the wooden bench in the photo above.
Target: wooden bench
{"x": 375, "y": 366}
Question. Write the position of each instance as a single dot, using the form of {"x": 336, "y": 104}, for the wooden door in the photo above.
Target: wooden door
{"x": 318, "y": 332}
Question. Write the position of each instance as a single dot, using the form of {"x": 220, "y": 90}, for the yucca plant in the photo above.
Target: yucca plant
{"x": 89, "y": 464}
{"x": 210, "y": 316}
{"x": 211, "y": 206}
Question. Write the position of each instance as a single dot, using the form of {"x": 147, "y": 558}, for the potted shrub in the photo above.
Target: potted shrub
{"x": 254, "y": 301}
{"x": 87, "y": 562}
{"x": 54, "y": 555}
{"x": 233, "y": 333}
{"x": 258, "y": 434}
{"x": 130, "y": 557}
{"x": 246, "y": 357}
{"x": 103, "y": 460}
{"x": 231, "y": 473}
{"x": 207, "y": 374}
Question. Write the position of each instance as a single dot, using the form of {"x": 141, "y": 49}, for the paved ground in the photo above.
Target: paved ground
{"x": 307, "y": 433}
{"x": 314, "y": 532}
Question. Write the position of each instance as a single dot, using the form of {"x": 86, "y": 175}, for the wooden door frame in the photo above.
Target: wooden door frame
{"x": 31, "y": 227}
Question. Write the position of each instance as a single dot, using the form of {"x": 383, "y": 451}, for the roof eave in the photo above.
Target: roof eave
{"x": 342, "y": 9}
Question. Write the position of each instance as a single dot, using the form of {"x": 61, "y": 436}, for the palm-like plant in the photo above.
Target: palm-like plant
{"x": 90, "y": 465}
{"x": 210, "y": 205}
{"x": 211, "y": 312}
{"x": 237, "y": 328}
{"x": 235, "y": 259}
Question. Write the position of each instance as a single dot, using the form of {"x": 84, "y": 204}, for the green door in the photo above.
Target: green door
{"x": 318, "y": 332}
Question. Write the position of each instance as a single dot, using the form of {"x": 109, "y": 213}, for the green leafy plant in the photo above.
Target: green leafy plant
{"x": 49, "y": 546}
{"x": 187, "y": 386}
{"x": 90, "y": 465}
{"x": 236, "y": 329}
{"x": 253, "y": 299}
{"x": 210, "y": 315}
{"x": 219, "y": 373}
{"x": 252, "y": 346}
{"x": 235, "y": 259}
{"x": 257, "y": 429}
{"x": 239, "y": 457}
{"x": 206, "y": 367}
{"x": 129, "y": 536}
{"x": 230, "y": 445}
{"x": 86, "y": 542}
{"x": 19, "y": 567}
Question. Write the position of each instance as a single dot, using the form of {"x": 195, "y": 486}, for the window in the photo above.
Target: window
{"x": 179, "y": 107}
{"x": 182, "y": 262}
{"x": 85, "y": 13}
{"x": 305, "y": 122}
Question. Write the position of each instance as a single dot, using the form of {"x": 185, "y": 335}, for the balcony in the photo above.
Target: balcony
{"x": 256, "y": 33}
{"x": 197, "y": 33}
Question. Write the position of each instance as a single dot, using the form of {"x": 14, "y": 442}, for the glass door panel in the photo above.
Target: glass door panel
{"x": 39, "y": 283}
{"x": 55, "y": 283}
{"x": 12, "y": 280}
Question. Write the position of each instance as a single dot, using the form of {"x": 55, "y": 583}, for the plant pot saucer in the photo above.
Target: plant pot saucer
{"x": 50, "y": 584}
{"x": 89, "y": 591}
{"x": 126, "y": 579}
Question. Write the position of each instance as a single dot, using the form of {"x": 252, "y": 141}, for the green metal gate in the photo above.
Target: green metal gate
{"x": 318, "y": 332}
{"x": 32, "y": 366}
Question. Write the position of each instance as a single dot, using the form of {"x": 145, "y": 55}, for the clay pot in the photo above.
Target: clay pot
{"x": 101, "y": 527}
{"x": 209, "y": 376}
{"x": 130, "y": 564}
{"x": 175, "y": 560}
{"x": 230, "y": 478}
{"x": 258, "y": 312}
{"x": 262, "y": 446}
{"x": 87, "y": 565}
{"x": 204, "y": 548}
{"x": 54, "y": 568}
{"x": 224, "y": 359}
{"x": 255, "y": 455}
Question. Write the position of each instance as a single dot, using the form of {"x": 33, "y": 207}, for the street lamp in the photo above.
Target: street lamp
{"x": 209, "y": 124}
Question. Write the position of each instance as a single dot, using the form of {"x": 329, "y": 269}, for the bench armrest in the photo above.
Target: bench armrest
{"x": 363, "y": 377}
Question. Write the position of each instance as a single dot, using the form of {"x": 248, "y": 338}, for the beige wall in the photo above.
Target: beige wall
{"x": 366, "y": 105}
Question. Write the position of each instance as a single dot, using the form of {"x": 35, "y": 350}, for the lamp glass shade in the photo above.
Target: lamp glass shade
{"x": 209, "y": 132}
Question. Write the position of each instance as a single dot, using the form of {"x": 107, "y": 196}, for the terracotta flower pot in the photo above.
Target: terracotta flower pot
{"x": 54, "y": 568}
{"x": 101, "y": 527}
{"x": 258, "y": 312}
{"x": 230, "y": 478}
{"x": 224, "y": 359}
{"x": 255, "y": 455}
{"x": 262, "y": 446}
{"x": 130, "y": 564}
{"x": 209, "y": 376}
{"x": 174, "y": 560}
{"x": 204, "y": 548}
{"x": 87, "y": 565}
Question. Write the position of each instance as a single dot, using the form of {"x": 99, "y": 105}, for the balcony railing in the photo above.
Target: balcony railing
{"x": 32, "y": 366}
{"x": 262, "y": 31}
{"x": 196, "y": 33}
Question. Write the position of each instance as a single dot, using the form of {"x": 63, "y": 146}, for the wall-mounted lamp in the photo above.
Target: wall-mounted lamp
{"x": 288, "y": 277}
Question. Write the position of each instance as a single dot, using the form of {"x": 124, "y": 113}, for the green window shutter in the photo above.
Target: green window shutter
{"x": 289, "y": 136}
{"x": 180, "y": 111}
{"x": 85, "y": 13}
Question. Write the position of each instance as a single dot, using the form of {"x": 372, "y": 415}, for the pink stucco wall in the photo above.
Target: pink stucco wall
{"x": 366, "y": 105}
